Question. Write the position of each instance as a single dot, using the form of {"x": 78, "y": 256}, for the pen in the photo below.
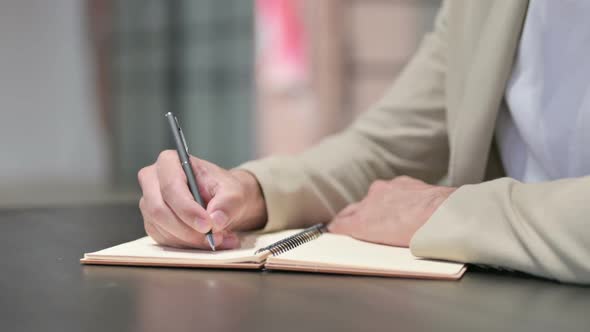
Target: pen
{"x": 183, "y": 155}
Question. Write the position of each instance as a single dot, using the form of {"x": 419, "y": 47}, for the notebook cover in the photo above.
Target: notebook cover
{"x": 352, "y": 271}
{"x": 249, "y": 266}
{"x": 145, "y": 252}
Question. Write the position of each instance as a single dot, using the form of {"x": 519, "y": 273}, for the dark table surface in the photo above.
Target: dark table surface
{"x": 44, "y": 288}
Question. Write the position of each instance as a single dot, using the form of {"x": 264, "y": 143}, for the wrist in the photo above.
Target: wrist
{"x": 255, "y": 215}
{"x": 442, "y": 195}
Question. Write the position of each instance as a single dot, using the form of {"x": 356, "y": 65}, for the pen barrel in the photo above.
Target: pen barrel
{"x": 178, "y": 139}
{"x": 184, "y": 157}
{"x": 192, "y": 183}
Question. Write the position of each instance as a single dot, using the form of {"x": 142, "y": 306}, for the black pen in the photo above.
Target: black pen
{"x": 184, "y": 157}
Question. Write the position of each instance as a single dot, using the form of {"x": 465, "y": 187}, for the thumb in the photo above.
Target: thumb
{"x": 225, "y": 201}
{"x": 225, "y": 207}
{"x": 208, "y": 176}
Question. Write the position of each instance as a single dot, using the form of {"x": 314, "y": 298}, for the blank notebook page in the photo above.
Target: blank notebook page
{"x": 332, "y": 250}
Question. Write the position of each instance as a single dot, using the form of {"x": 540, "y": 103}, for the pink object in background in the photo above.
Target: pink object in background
{"x": 281, "y": 43}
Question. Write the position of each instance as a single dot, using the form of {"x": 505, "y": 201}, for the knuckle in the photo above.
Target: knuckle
{"x": 199, "y": 169}
{"x": 405, "y": 178}
{"x": 213, "y": 188}
{"x": 185, "y": 209}
{"x": 234, "y": 196}
{"x": 408, "y": 182}
{"x": 167, "y": 155}
{"x": 378, "y": 184}
{"x": 156, "y": 212}
{"x": 169, "y": 190}
{"x": 142, "y": 204}
{"x": 142, "y": 174}
{"x": 188, "y": 213}
{"x": 155, "y": 235}
{"x": 197, "y": 163}
{"x": 149, "y": 229}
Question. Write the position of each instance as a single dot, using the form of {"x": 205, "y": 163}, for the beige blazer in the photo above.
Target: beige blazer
{"x": 437, "y": 123}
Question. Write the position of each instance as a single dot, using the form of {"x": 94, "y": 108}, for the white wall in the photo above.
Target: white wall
{"x": 49, "y": 122}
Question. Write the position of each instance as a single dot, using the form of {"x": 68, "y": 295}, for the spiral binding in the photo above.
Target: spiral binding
{"x": 294, "y": 240}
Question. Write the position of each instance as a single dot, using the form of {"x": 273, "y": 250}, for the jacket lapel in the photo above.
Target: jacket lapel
{"x": 484, "y": 91}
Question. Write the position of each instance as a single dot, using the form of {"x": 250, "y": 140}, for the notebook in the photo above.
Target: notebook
{"x": 310, "y": 250}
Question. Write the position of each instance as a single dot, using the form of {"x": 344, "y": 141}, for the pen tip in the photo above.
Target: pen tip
{"x": 211, "y": 241}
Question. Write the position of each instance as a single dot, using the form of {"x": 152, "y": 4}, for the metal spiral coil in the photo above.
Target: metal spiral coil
{"x": 294, "y": 240}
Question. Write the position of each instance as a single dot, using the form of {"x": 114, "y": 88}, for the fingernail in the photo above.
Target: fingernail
{"x": 219, "y": 218}
{"x": 202, "y": 226}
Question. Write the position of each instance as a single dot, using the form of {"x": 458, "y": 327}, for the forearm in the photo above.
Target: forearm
{"x": 313, "y": 186}
{"x": 404, "y": 133}
{"x": 535, "y": 228}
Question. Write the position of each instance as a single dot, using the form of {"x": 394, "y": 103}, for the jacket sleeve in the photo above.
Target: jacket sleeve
{"x": 404, "y": 133}
{"x": 541, "y": 228}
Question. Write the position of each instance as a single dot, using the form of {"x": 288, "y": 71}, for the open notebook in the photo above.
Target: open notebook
{"x": 310, "y": 250}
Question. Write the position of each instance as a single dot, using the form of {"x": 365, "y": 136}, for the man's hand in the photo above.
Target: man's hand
{"x": 391, "y": 212}
{"x": 172, "y": 217}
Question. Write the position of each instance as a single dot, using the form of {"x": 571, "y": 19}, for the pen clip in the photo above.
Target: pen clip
{"x": 181, "y": 134}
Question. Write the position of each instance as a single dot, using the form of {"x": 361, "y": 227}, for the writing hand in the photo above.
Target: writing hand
{"x": 172, "y": 217}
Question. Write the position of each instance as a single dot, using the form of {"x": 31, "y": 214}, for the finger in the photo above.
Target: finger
{"x": 175, "y": 233}
{"x": 175, "y": 192}
{"x": 162, "y": 237}
{"x": 350, "y": 209}
{"x": 405, "y": 180}
{"x": 343, "y": 224}
{"x": 225, "y": 208}
{"x": 377, "y": 186}
{"x": 177, "y": 196}
{"x": 144, "y": 209}
{"x": 184, "y": 240}
{"x": 157, "y": 212}
{"x": 183, "y": 234}
{"x": 223, "y": 241}
{"x": 216, "y": 186}
{"x": 230, "y": 241}
{"x": 153, "y": 232}
{"x": 170, "y": 239}
{"x": 156, "y": 235}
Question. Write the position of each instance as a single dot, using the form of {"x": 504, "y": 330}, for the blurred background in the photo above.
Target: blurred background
{"x": 85, "y": 83}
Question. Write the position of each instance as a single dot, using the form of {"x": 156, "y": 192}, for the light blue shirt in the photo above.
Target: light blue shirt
{"x": 546, "y": 133}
